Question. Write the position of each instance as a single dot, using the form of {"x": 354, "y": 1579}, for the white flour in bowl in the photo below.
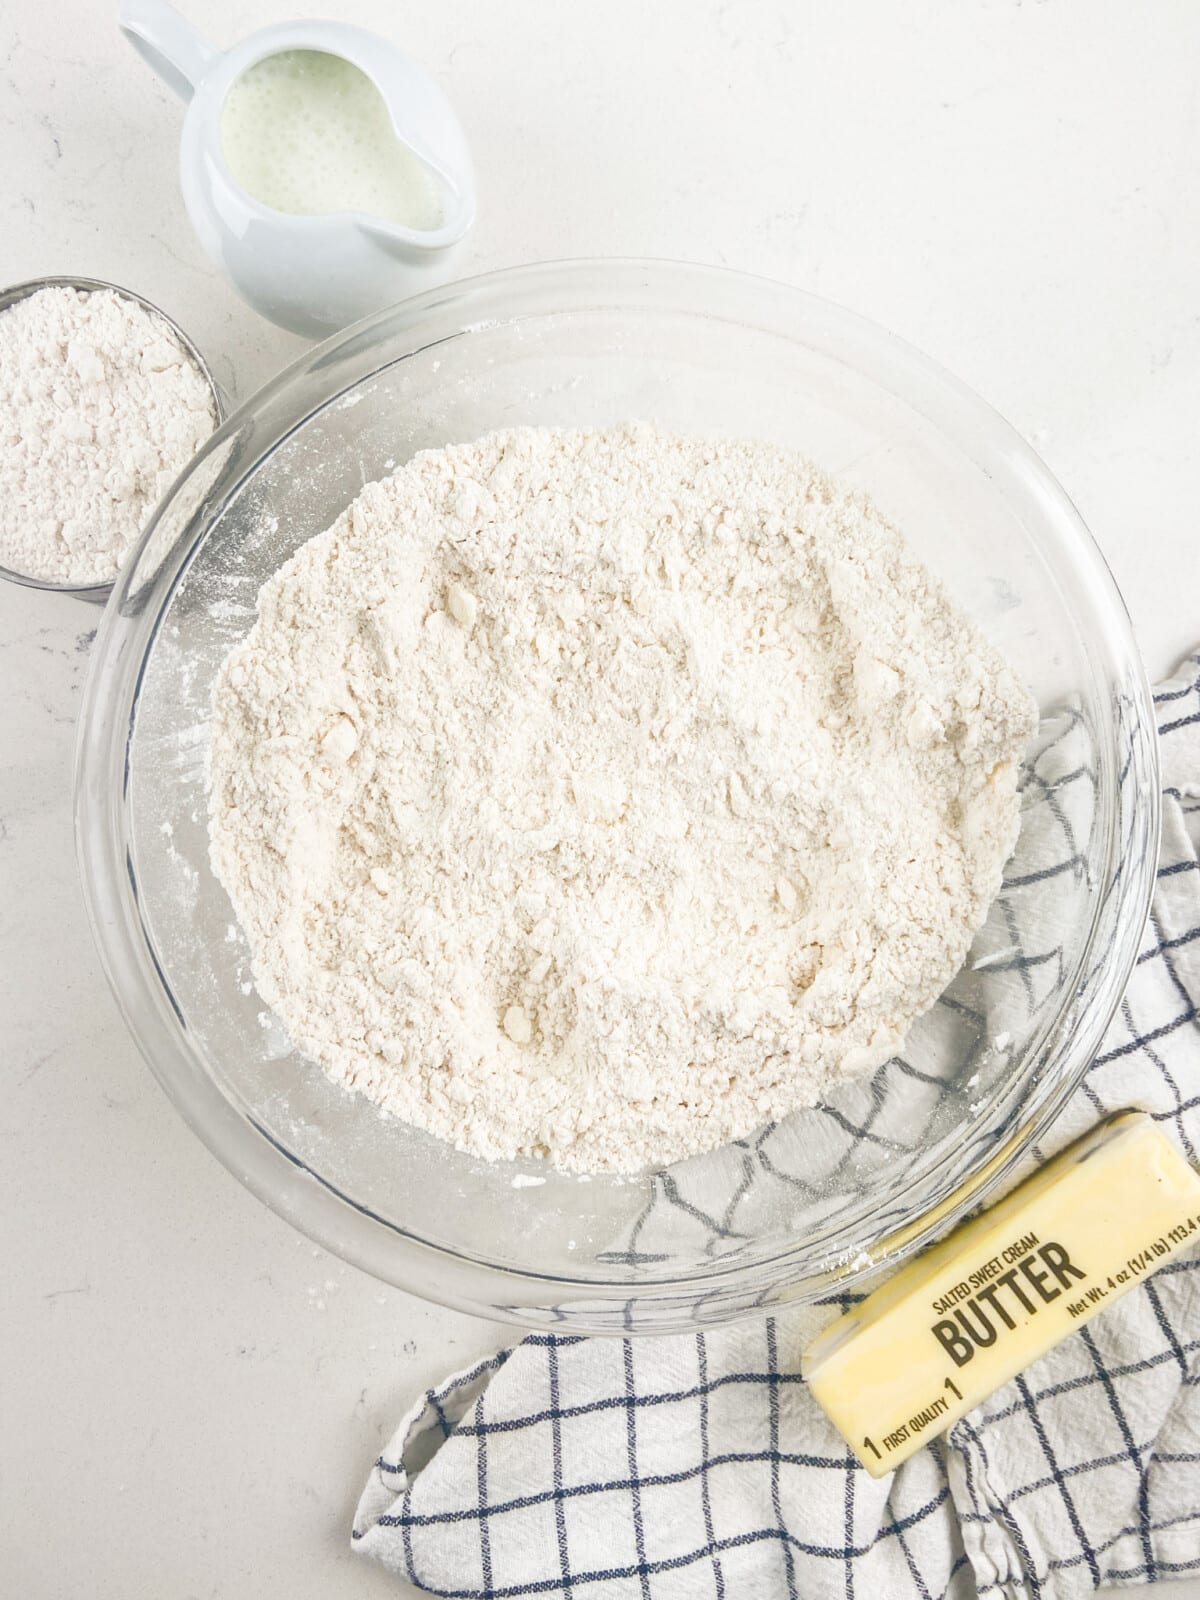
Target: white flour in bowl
{"x": 101, "y": 408}
{"x": 607, "y": 794}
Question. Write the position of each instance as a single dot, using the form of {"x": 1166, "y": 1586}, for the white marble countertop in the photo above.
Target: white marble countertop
{"x": 191, "y": 1391}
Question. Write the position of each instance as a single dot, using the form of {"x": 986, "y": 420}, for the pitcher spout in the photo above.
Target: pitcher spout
{"x": 456, "y": 203}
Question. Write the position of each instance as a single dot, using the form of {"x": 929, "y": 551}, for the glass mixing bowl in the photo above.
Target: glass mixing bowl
{"x": 830, "y": 1193}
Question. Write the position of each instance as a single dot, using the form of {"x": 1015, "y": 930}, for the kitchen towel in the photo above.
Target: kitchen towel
{"x": 697, "y": 1465}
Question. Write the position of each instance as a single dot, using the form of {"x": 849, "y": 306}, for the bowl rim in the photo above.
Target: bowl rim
{"x": 472, "y": 1282}
{"x": 98, "y": 593}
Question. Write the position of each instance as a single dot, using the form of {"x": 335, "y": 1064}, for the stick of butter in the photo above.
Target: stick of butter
{"x": 1002, "y": 1289}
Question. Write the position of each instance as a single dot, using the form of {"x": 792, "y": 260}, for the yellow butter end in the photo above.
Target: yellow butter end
{"x": 1002, "y": 1289}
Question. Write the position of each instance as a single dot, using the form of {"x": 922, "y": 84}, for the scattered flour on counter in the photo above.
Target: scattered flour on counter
{"x": 603, "y": 795}
{"x": 101, "y": 408}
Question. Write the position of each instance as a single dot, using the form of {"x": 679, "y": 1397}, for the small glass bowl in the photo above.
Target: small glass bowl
{"x": 829, "y": 1194}
{"x": 98, "y": 593}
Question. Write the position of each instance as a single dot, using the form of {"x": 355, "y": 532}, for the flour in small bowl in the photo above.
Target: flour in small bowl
{"x": 101, "y": 408}
{"x": 606, "y": 794}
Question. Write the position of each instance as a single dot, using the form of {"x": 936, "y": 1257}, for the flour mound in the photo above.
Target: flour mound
{"x": 603, "y": 795}
{"x": 101, "y": 408}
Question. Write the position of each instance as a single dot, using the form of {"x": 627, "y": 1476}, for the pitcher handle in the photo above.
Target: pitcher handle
{"x": 178, "y": 54}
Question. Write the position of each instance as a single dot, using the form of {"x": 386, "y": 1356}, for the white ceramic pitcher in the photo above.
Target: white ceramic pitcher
{"x": 312, "y": 274}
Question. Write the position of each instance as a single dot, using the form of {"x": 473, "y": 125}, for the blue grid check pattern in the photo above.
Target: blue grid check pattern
{"x": 698, "y": 1467}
